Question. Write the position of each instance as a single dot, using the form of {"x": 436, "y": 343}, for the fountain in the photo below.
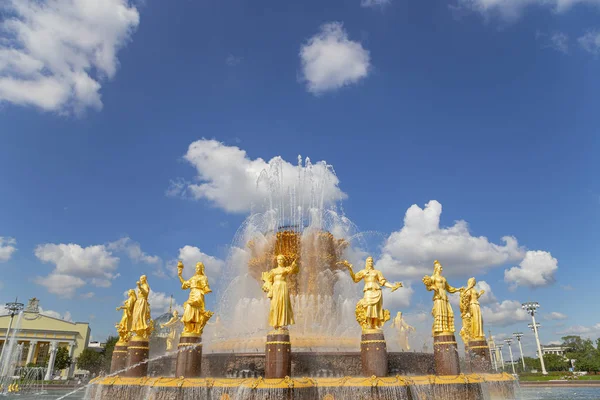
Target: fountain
{"x": 298, "y": 238}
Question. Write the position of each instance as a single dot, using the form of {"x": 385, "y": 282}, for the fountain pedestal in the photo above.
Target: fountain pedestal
{"x": 278, "y": 356}
{"x": 479, "y": 355}
{"x": 137, "y": 352}
{"x": 373, "y": 354}
{"x": 189, "y": 357}
{"x": 445, "y": 355}
{"x": 119, "y": 357}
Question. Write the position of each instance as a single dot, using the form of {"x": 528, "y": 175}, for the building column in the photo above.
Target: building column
{"x": 31, "y": 352}
{"x": 50, "y": 370}
{"x": 72, "y": 347}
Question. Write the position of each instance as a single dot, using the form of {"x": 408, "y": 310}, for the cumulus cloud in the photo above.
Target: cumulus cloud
{"x": 190, "y": 255}
{"x": 55, "y": 314}
{"x": 410, "y": 252}
{"x": 400, "y": 298}
{"x": 374, "y": 3}
{"x": 511, "y": 10}
{"x": 74, "y": 266}
{"x": 229, "y": 179}
{"x": 330, "y": 60}
{"x": 505, "y": 313}
{"x": 7, "y": 248}
{"x": 553, "y": 316}
{"x": 582, "y": 330}
{"x": 590, "y": 42}
{"x": 537, "y": 269}
{"x": 133, "y": 250}
{"x": 56, "y": 52}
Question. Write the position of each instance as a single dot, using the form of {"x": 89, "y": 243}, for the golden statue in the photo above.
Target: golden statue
{"x": 403, "y": 330}
{"x": 443, "y": 316}
{"x": 195, "y": 316}
{"x": 276, "y": 287}
{"x": 124, "y": 327}
{"x": 173, "y": 325}
{"x": 370, "y": 314}
{"x": 471, "y": 313}
{"x": 141, "y": 323}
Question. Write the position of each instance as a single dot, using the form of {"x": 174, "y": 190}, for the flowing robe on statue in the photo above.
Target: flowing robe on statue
{"x": 141, "y": 311}
{"x": 280, "y": 313}
{"x": 476, "y": 317}
{"x": 443, "y": 316}
{"x": 127, "y": 318}
{"x": 372, "y": 296}
{"x": 193, "y": 309}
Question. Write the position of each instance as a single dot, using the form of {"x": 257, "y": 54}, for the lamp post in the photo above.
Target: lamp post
{"x": 499, "y": 347}
{"x": 531, "y": 307}
{"x": 13, "y": 309}
{"x": 519, "y": 335}
{"x": 493, "y": 357}
{"x": 512, "y": 362}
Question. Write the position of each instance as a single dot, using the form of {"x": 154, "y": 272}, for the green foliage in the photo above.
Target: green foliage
{"x": 586, "y": 356}
{"x": 108, "y": 351}
{"x": 91, "y": 361}
{"x": 554, "y": 362}
{"x": 62, "y": 359}
{"x": 532, "y": 363}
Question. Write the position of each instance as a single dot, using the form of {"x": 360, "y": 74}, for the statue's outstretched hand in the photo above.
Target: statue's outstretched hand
{"x": 397, "y": 286}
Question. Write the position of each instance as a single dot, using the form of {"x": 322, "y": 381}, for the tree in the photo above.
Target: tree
{"x": 532, "y": 363}
{"x": 108, "y": 351}
{"x": 90, "y": 360}
{"x": 554, "y": 362}
{"x": 62, "y": 359}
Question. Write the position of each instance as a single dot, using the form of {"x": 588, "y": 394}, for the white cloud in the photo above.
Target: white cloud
{"x": 330, "y": 60}
{"x": 74, "y": 265}
{"x": 7, "y": 248}
{"x": 537, "y": 269}
{"x": 590, "y": 42}
{"x": 228, "y": 179}
{"x": 55, "y": 314}
{"x": 374, "y": 3}
{"x": 488, "y": 297}
{"x": 555, "y": 316}
{"x": 232, "y": 60}
{"x": 511, "y": 10}
{"x": 558, "y": 41}
{"x": 191, "y": 255}
{"x": 400, "y": 298}
{"x": 56, "y": 52}
{"x": 505, "y": 313}
{"x": 87, "y": 295}
{"x": 133, "y": 250}
{"x": 582, "y": 330}
{"x": 411, "y": 251}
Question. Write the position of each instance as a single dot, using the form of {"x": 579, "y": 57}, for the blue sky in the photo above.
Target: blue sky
{"x": 489, "y": 111}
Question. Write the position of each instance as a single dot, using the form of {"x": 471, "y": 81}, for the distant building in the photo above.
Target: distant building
{"x": 39, "y": 333}
{"x": 554, "y": 349}
{"x": 97, "y": 346}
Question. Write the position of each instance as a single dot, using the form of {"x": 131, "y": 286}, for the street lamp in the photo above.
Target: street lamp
{"x": 512, "y": 362}
{"x": 493, "y": 356}
{"x": 519, "y": 335}
{"x": 499, "y": 347}
{"x": 13, "y": 309}
{"x": 531, "y": 307}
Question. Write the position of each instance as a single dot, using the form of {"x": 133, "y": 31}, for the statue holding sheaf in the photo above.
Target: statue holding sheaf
{"x": 124, "y": 326}
{"x": 471, "y": 312}
{"x": 370, "y": 314}
{"x": 443, "y": 316}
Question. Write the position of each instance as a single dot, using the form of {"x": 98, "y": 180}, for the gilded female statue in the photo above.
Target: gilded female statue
{"x": 195, "y": 316}
{"x": 469, "y": 304}
{"x": 124, "y": 326}
{"x": 276, "y": 287}
{"x": 141, "y": 323}
{"x": 443, "y": 316}
{"x": 172, "y": 324}
{"x": 369, "y": 310}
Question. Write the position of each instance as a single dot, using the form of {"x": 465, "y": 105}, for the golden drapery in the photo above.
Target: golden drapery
{"x": 280, "y": 312}
{"x": 443, "y": 316}
{"x": 141, "y": 312}
{"x": 194, "y": 314}
{"x": 372, "y": 297}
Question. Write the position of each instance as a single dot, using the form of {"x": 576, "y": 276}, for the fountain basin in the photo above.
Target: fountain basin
{"x": 423, "y": 387}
